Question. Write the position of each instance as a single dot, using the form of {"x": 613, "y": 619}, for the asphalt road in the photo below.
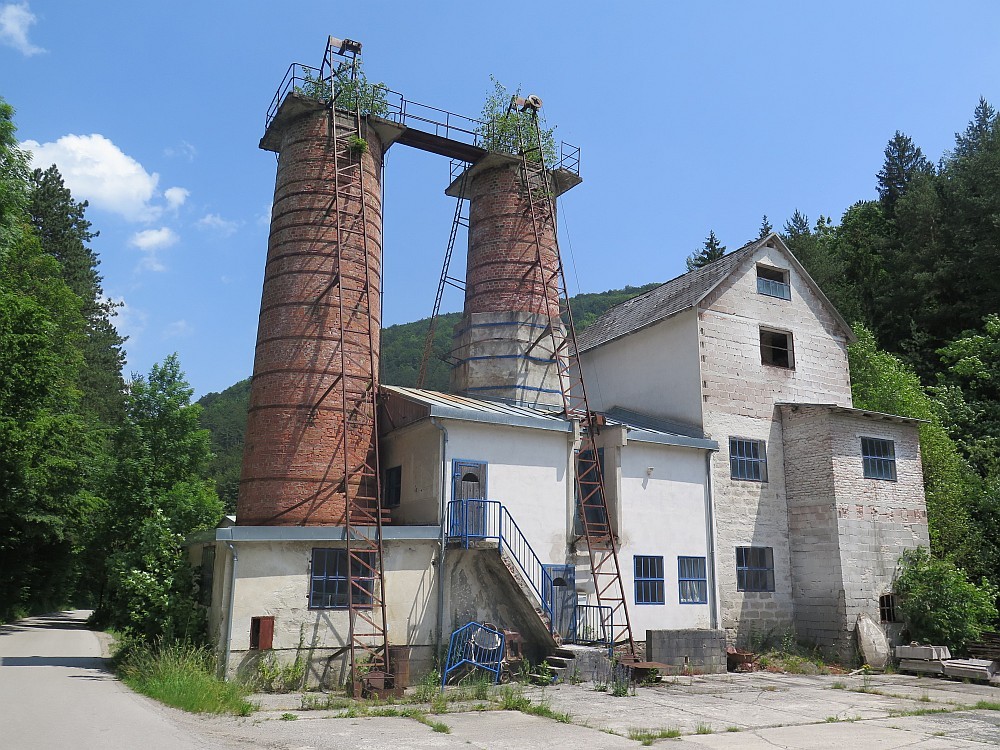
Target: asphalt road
{"x": 56, "y": 692}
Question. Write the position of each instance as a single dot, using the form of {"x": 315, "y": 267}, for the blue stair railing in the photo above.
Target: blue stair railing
{"x": 475, "y": 645}
{"x": 479, "y": 520}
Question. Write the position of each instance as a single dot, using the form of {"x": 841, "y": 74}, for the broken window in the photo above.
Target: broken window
{"x": 776, "y": 349}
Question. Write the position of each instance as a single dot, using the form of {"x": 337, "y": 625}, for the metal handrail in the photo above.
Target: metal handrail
{"x": 489, "y": 519}
{"x": 594, "y": 625}
{"x": 477, "y": 645}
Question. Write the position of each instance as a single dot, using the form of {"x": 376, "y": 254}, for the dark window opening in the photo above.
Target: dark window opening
{"x": 878, "y": 458}
{"x": 887, "y": 608}
{"x": 393, "y": 486}
{"x": 207, "y": 578}
{"x": 754, "y": 569}
{"x": 329, "y": 582}
{"x": 649, "y": 588}
{"x": 773, "y": 282}
{"x": 776, "y": 349}
{"x": 590, "y": 492}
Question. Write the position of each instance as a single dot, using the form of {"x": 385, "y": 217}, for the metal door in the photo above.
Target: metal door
{"x": 559, "y": 593}
{"x": 469, "y": 487}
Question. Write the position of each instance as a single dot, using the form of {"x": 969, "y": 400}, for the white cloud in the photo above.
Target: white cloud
{"x": 264, "y": 217}
{"x": 225, "y": 227}
{"x": 95, "y": 169}
{"x": 182, "y": 150}
{"x": 176, "y": 329}
{"x": 150, "y": 242}
{"x": 128, "y": 321}
{"x": 15, "y": 19}
{"x": 175, "y": 197}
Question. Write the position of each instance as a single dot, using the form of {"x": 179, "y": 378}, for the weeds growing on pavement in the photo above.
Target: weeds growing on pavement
{"x": 649, "y": 736}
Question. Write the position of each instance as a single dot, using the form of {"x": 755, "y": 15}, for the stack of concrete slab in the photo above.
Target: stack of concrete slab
{"x": 937, "y": 660}
{"x": 922, "y": 659}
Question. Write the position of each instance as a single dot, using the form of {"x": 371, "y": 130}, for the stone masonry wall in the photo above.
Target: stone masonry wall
{"x": 738, "y": 398}
{"x": 293, "y": 469}
{"x": 698, "y": 651}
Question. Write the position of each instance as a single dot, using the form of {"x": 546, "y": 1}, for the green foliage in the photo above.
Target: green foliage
{"x": 357, "y": 146}
{"x": 882, "y": 382}
{"x": 711, "y": 252}
{"x": 224, "y": 415}
{"x": 940, "y": 605}
{"x": 509, "y": 131}
{"x": 271, "y": 676}
{"x": 355, "y": 94}
{"x": 181, "y": 675}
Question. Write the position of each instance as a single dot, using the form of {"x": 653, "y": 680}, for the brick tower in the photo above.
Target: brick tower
{"x": 302, "y": 396}
{"x": 502, "y": 346}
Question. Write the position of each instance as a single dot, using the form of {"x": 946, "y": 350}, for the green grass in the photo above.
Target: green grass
{"x": 734, "y": 729}
{"x": 987, "y": 706}
{"x": 704, "y": 729}
{"x": 838, "y": 685}
{"x": 288, "y": 717}
{"x": 183, "y": 676}
{"x": 649, "y": 736}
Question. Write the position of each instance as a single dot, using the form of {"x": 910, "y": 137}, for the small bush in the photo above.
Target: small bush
{"x": 183, "y": 676}
{"x": 428, "y": 687}
{"x": 939, "y": 604}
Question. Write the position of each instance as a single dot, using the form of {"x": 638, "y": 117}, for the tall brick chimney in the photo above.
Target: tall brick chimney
{"x": 293, "y": 465}
{"x": 502, "y": 345}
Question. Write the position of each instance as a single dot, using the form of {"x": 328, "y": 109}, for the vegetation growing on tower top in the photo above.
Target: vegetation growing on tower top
{"x": 353, "y": 95}
{"x": 507, "y": 130}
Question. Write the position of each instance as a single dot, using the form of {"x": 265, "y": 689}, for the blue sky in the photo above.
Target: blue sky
{"x": 691, "y": 117}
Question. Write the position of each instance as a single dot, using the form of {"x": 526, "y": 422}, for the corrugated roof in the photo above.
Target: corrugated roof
{"x": 673, "y": 297}
{"x": 450, "y": 406}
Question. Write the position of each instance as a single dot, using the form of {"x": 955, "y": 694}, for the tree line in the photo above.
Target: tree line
{"x": 101, "y": 478}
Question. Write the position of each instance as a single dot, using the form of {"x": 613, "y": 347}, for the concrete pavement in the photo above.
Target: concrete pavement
{"x": 55, "y": 692}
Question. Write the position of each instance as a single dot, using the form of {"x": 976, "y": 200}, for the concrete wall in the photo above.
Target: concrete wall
{"x": 273, "y": 579}
{"x": 688, "y": 651}
{"x": 654, "y": 371}
{"x": 662, "y": 513}
{"x": 417, "y": 450}
{"x": 738, "y": 397}
{"x": 848, "y": 532}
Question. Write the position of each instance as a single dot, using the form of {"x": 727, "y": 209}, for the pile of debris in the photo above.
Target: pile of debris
{"x": 936, "y": 660}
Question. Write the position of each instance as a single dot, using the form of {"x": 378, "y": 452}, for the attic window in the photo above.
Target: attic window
{"x": 776, "y": 349}
{"x": 773, "y": 282}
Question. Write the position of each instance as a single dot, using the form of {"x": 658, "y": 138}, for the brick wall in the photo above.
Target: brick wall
{"x": 293, "y": 466}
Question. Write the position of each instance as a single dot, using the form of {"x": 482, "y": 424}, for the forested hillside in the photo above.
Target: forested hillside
{"x": 402, "y": 348}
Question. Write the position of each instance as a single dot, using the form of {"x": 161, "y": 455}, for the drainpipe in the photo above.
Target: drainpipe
{"x": 229, "y": 615}
{"x": 713, "y": 607}
{"x": 443, "y": 541}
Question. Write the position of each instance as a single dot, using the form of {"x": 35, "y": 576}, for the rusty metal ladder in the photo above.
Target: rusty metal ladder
{"x": 602, "y": 546}
{"x": 363, "y": 517}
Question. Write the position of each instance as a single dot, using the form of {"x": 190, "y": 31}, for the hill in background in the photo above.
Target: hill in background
{"x": 224, "y": 414}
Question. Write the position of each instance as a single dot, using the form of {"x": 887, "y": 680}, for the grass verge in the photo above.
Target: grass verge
{"x": 183, "y": 676}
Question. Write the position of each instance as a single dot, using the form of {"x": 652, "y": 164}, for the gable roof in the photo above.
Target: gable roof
{"x": 683, "y": 293}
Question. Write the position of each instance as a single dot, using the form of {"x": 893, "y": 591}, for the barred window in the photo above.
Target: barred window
{"x": 879, "y": 458}
{"x": 887, "y": 608}
{"x": 754, "y": 569}
{"x": 649, "y": 587}
{"x": 329, "y": 583}
{"x": 692, "y": 583}
{"x": 748, "y": 459}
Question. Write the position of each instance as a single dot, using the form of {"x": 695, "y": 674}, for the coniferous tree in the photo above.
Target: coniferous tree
{"x": 904, "y": 162}
{"x": 765, "y": 228}
{"x": 709, "y": 253}
{"x": 797, "y": 226}
{"x": 65, "y": 232}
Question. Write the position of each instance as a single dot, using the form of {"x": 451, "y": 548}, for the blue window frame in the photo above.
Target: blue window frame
{"x": 329, "y": 583}
{"x": 748, "y": 459}
{"x": 649, "y": 588}
{"x": 754, "y": 569}
{"x": 692, "y": 582}
{"x": 879, "y": 458}
{"x": 773, "y": 282}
